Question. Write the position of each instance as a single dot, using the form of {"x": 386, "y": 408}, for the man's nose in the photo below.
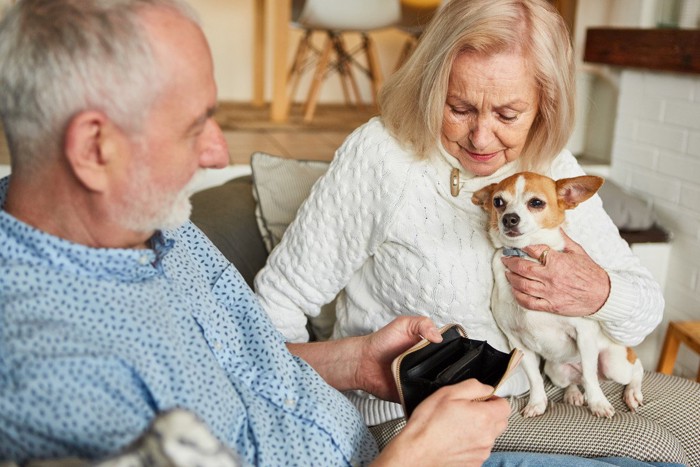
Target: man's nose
{"x": 214, "y": 153}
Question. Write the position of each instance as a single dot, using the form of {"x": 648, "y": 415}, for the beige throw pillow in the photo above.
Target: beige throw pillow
{"x": 280, "y": 185}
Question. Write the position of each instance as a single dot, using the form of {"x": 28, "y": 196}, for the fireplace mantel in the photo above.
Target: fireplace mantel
{"x": 673, "y": 50}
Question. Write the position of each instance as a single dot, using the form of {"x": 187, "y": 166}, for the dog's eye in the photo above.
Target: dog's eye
{"x": 498, "y": 202}
{"x": 536, "y": 203}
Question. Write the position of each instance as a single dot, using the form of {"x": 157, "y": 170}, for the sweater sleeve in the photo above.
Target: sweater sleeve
{"x": 635, "y": 304}
{"x": 335, "y": 231}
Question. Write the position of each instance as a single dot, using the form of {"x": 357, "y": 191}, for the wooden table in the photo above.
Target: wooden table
{"x": 278, "y": 36}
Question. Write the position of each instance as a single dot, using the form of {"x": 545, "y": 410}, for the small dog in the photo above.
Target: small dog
{"x": 528, "y": 209}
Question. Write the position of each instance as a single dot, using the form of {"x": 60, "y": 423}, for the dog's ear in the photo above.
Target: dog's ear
{"x": 483, "y": 197}
{"x": 573, "y": 191}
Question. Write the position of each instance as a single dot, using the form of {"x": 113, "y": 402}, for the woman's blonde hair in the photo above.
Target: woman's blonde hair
{"x": 412, "y": 100}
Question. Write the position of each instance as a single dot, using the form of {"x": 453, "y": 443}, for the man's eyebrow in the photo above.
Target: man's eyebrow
{"x": 202, "y": 118}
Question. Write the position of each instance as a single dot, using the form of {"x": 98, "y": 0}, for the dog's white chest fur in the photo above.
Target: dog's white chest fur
{"x": 549, "y": 335}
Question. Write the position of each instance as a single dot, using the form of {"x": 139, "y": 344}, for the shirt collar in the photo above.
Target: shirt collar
{"x": 22, "y": 242}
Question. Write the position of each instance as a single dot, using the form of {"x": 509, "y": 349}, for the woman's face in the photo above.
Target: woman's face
{"x": 491, "y": 103}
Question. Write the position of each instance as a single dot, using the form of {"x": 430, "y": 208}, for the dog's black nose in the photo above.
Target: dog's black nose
{"x": 510, "y": 220}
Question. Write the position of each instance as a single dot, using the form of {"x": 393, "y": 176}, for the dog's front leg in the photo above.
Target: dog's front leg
{"x": 537, "y": 402}
{"x": 588, "y": 349}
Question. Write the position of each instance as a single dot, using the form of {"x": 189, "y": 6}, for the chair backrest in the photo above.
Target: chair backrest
{"x": 346, "y": 15}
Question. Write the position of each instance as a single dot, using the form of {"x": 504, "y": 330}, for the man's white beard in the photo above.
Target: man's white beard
{"x": 148, "y": 210}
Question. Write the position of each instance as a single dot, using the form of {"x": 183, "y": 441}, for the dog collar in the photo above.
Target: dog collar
{"x": 514, "y": 252}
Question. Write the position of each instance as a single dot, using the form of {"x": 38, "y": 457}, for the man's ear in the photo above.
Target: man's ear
{"x": 91, "y": 146}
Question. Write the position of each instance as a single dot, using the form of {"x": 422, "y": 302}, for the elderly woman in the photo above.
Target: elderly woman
{"x": 488, "y": 92}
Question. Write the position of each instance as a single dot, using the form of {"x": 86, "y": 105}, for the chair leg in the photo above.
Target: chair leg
{"x": 319, "y": 73}
{"x": 669, "y": 351}
{"x": 297, "y": 67}
{"x": 375, "y": 70}
{"x": 340, "y": 67}
{"x": 344, "y": 60}
{"x": 343, "y": 64}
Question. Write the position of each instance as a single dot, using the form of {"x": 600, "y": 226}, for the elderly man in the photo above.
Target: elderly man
{"x": 115, "y": 308}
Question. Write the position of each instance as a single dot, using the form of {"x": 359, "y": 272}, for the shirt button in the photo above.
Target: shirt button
{"x": 144, "y": 260}
{"x": 290, "y": 402}
{"x": 218, "y": 345}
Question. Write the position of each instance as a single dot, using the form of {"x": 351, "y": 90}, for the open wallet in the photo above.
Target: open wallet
{"x": 428, "y": 366}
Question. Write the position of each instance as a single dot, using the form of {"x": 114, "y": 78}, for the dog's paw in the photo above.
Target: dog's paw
{"x": 574, "y": 396}
{"x": 601, "y": 408}
{"x": 633, "y": 397}
{"x": 533, "y": 409}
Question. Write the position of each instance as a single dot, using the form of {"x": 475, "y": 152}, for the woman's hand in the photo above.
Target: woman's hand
{"x": 570, "y": 283}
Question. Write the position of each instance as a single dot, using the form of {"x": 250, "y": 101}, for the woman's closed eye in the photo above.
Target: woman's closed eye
{"x": 508, "y": 117}
{"x": 460, "y": 110}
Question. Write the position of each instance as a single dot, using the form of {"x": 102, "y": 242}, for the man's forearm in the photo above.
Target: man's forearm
{"x": 365, "y": 362}
{"x": 336, "y": 361}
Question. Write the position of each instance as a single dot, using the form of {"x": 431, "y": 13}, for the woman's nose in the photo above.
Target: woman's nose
{"x": 480, "y": 135}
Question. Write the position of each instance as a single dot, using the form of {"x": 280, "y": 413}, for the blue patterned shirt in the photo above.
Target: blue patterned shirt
{"x": 95, "y": 342}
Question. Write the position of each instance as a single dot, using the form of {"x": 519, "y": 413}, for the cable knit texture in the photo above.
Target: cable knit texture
{"x": 382, "y": 228}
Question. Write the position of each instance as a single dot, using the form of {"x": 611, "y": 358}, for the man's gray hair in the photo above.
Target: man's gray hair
{"x": 61, "y": 57}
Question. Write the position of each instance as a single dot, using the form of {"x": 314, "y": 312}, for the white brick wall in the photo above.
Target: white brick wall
{"x": 656, "y": 154}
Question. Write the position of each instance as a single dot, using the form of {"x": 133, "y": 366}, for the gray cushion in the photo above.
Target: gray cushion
{"x": 627, "y": 211}
{"x": 226, "y": 214}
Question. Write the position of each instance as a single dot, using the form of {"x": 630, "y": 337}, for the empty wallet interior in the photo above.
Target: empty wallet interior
{"x": 428, "y": 366}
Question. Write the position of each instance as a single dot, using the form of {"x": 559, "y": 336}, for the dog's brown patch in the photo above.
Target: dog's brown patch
{"x": 631, "y": 355}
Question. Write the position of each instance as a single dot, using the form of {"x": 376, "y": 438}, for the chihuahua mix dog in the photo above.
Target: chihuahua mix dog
{"x": 528, "y": 209}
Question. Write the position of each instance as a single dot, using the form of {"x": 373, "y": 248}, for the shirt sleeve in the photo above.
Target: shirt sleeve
{"x": 336, "y": 229}
{"x": 635, "y": 304}
{"x": 77, "y": 406}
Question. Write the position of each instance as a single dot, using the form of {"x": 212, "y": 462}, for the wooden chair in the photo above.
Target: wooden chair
{"x": 335, "y": 18}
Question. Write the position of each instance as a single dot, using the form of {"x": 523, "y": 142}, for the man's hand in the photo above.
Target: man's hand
{"x": 365, "y": 362}
{"x": 450, "y": 428}
{"x": 381, "y": 347}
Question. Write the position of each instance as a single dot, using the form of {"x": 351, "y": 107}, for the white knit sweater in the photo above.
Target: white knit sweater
{"x": 382, "y": 228}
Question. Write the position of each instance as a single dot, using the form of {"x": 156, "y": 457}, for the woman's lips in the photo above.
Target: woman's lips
{"x": 481, "y": 157}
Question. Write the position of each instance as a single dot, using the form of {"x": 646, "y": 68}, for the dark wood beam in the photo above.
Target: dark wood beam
{"x": 675, "y": 50}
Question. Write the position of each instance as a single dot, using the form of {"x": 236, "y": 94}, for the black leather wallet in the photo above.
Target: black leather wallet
{"x": 427, "y": 366}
